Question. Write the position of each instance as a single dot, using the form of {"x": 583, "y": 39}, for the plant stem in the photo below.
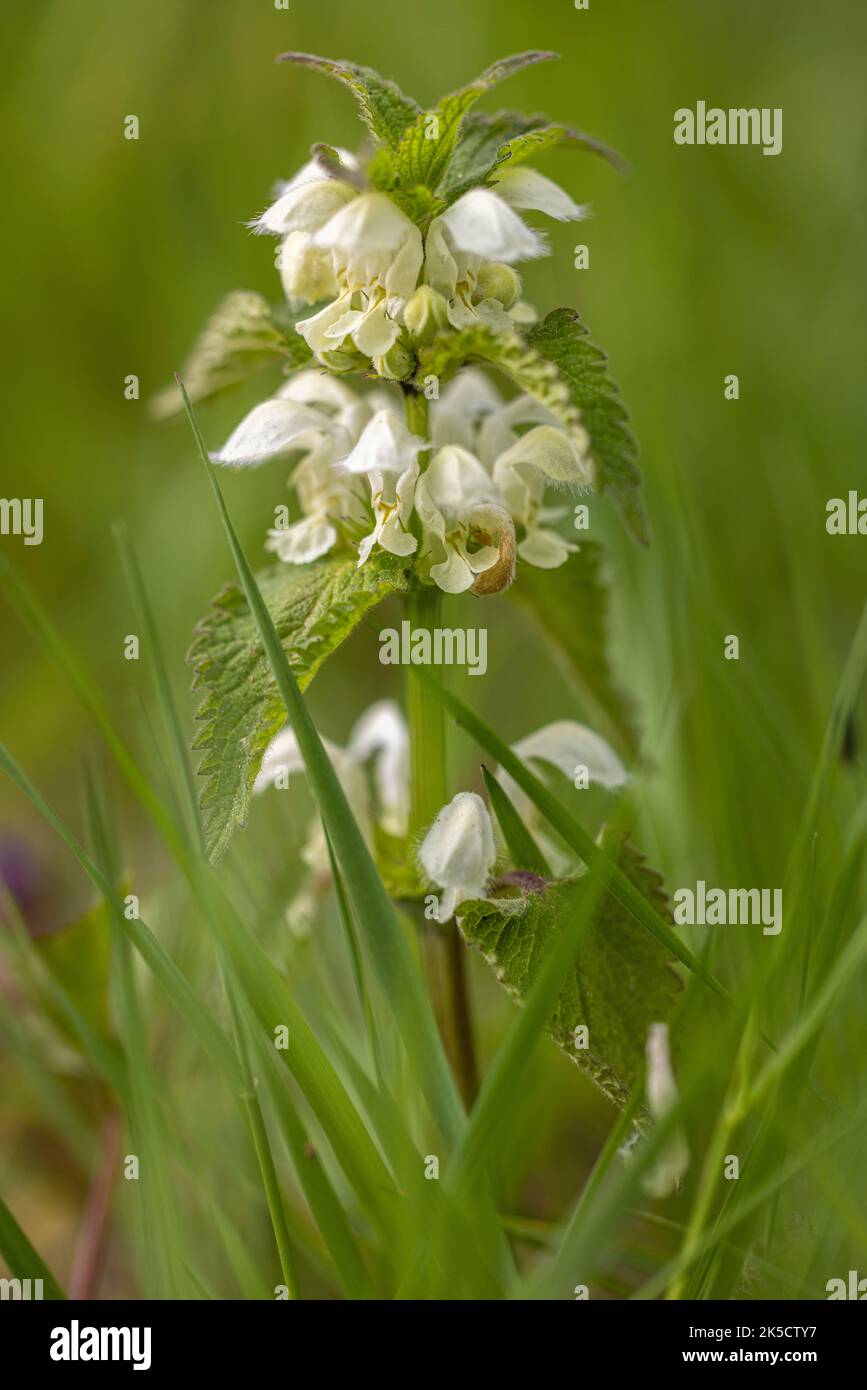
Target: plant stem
{"x": 444, "y": 951}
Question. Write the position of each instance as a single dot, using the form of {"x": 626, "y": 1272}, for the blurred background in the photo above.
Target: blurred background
{"x": 703, "y": 262}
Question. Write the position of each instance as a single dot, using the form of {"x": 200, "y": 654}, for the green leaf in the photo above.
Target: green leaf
{"x": 570, "y": 606}
{"x": 423, "y": 159}
{"x": 242, "y": 336}
{"x": 562, "y": 339}
{"x": 617, "y": 883}
{"x": 314, "y": 607}
{"x": 526, "y": 854}
{"x": 386, "y": 111}
{"x": 78, "y": 957}
{"x": 529, "y": 143}
{"x": 23, "y": 1261}
{"x": 621, "y": 981}
{"x": 488, "y": 140}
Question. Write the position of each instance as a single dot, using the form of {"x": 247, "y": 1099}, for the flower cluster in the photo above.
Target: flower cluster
{"x": 479, "y": 499}
{"x": 388, "y": 286}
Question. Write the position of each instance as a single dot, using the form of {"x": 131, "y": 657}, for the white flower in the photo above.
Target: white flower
{"x": 319, "y": 417}
{"x": 566, "y": 746}
{"x": 466, "y": 529}
{"x": 377, "y": 255}
{"x": 665, "y": 1175}
{"x": 305, "y": 204}
{"x": 381, "y": 734}
{"x": 458, "y": 852}
{"x": 482, "y": 223}
{"x": 471, "y": 413}
{"x": 274, "y": 218}
{"x": 385, "y": 444}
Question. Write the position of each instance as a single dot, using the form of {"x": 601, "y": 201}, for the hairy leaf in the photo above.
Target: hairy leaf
{"x": 488, "y": 141}
{"x": 314, "y": 607}
{"x": 622, "y": 979}
{"x": 422, "y": 158}
{"x": 386, "y": 111}
{"x": 570, "y": 606}
{"x": 243, "y": 335}
{"x": 562, "y": 339}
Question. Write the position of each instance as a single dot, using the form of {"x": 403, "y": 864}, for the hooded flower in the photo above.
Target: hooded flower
{"x": 468, "y": 540}
{"x": 458, "y": 852}
{"x": 566, "y": 746}
{"x": 321, "y": 418}
{"x": 376, "y": 255}
{"x": 303, "y": 206}
{"x": 387, "y": 453}
{"x": 470, "y": 248}
{"x": 472, "y": 413}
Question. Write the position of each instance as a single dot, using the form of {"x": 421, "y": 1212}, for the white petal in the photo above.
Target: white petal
{"x": 271, "y": 428}
{"x": 305, "y": 541}
{"x": 375, "y": 333}
{"x": 458, "y": 850}
{"x": 305, "y": 207}
{"x": 386, "y": 443}
{"x": 672, "y": 1163}
{"x": 370, "y": 223}
{"x": 282, "y": 756}
{"x": 567, "y": 745}
{"x": 545, "y": 549}
{"x": 525, "y": 188}
{"x": 551, "y": 451}
{"x": 320, "y": 388}
{"x": 455, "y": 481}
{"x": 471, "y": 393}
{"x": 381, "y": 733}
{"x": 307, "y": 274}
{"x": 484, "y": 224}
{"x": 315, "y": 329}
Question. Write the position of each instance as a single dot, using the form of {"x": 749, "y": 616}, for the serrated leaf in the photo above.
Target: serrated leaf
{"x": 489, "y": 140}
{"x": 314, "y": 607}
{"x": 423, "y": 159}
{"x": 570, "y": 606}
{"x": 622, "y": 979}
{"x": 563, "y": 339}
{"x": 78, "y": 956}
{"x": 532, "y": 142}
{"x": 385, "y": 109}
{"x": 242, "y": 336}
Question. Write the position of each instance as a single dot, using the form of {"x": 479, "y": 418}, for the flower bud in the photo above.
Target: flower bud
{"x": 497, "y": 281}
{"x": 425, "y": 314}
{"x": 458, "y": 852}
{"x": 396, "y": 365}
{"x": 343, "y": 359}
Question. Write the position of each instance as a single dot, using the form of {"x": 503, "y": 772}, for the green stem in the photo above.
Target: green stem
{"x": 444, "y": 951}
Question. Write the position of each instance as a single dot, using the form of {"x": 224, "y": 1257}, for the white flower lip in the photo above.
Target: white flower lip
{"x": 458, "y": 852}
